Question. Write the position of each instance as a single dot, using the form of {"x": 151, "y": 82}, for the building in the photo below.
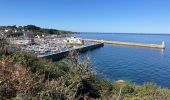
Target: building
{"x": 6, "y": 30}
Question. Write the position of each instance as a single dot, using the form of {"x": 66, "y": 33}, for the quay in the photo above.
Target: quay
{"x": 159, "y": 46}
{"x": 60, "y": 55}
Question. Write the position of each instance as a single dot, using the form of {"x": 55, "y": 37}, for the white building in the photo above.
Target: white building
{"x": 6, "y": 30}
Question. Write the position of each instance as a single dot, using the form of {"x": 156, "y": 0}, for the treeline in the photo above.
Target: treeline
{"x": 35, "y": 30}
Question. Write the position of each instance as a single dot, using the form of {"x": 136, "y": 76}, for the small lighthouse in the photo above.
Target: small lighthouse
{"x": 163, "y": 44}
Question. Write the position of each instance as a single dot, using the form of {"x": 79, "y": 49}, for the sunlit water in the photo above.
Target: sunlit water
{"x": 135, "y": 64}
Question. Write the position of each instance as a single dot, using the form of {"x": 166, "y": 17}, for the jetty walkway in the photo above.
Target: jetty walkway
{"x": 159, "y": 46}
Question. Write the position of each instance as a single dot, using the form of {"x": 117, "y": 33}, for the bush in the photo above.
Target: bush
{"x": 24, "y": 76}
{"x": 51, "y": 70}
{"x": 128, "y": 89}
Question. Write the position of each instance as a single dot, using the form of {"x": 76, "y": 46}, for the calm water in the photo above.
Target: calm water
{"x": 135, "y": 64}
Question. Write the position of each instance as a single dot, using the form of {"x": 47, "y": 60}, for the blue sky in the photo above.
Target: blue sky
{"x": 127, "y": 16}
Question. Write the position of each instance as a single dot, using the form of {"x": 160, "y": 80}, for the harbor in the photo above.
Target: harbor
{"x": 52, "y": 47}
{"x": 62, "y": 54}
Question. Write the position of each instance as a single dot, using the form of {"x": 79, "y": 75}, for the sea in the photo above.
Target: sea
{"x": 134, "y": 64}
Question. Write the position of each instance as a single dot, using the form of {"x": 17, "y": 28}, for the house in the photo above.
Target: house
{"x": 6, "y": 30}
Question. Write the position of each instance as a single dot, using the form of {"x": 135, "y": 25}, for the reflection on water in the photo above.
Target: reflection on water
{"x": 162, "y": 51}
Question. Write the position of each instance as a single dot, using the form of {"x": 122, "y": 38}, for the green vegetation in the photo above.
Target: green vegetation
{"x": 3, "y": 46}
{"x": 26, "y": 77}
{"x": 12, "y": 34}
{"x": 35, "y": 30}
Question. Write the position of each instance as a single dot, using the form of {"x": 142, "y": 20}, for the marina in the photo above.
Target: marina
{"x": 46, "y": 45}
{"x": 52, "y": 47}
{"x": 62, "y": 54}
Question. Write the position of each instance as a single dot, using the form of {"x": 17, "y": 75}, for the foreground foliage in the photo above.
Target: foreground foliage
{"x": 26, "y": 77}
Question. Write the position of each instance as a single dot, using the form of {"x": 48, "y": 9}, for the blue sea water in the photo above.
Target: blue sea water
{"x": 135, "y": 64}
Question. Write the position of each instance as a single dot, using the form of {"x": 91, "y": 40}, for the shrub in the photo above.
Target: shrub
{"x": 51, "y": 70}
{"x": 128, "y": 89}
{"x": 23, "y": 76}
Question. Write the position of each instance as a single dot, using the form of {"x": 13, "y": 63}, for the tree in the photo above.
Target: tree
{"x": 31, "y": 27}
{"x": 12, "y": 27}
{"x": 17, "y": 34}
{"x": 20, "y": 27}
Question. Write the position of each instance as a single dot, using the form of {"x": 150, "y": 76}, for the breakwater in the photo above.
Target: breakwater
{"x": 159, "y": 46}
{"x": 60, "y": 55}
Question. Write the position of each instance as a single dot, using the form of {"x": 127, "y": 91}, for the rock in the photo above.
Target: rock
{"x": 120, "y": 81}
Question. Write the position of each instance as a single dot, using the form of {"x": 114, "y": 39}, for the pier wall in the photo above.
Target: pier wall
{"x": 159, "y": 46}
{"x": 60, "y": 55}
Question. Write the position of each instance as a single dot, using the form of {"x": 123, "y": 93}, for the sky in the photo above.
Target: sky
{"x": 124, "y": 16}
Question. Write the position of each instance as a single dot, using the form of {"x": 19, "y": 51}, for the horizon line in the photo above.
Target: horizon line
{"x": 92, "y": 31}
{"x": 123, "y": 32}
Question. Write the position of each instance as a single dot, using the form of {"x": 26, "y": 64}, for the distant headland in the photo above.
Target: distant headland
{"x": 20, "y": 30}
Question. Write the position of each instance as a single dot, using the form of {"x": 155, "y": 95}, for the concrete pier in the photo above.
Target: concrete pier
{"x": 159, "y": 46}
{"x": 60, "y": 55}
